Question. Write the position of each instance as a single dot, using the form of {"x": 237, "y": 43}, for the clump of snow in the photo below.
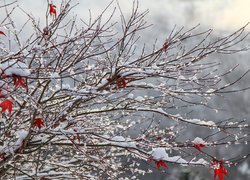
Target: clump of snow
{"x": 160, "y": 110}
{"x": 210, "y": 91}
{"x": 141, "y": 83}
{"x": 200, "y": 161}
{"x": 139, "y": 98}
{"x": 13, "y": 67}
{"x": 199, "y": 140}
{"x": 200, "y": 122}
{"x": 161, "y": 154}
{"x": 22, "y": 134}
{"x": 131, "y": 96}
{"x": 181, "y": 77}
{"x": 118, "y": 138}
{"x": 65, "y": 86}
{"x": 10, "y": 148}
{"x": 121, "y": 141}
{"x": 54, "y": 75}
{"x": 102, "y": 83}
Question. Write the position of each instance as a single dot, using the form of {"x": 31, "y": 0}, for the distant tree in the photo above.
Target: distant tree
{"x": 81, "y": 100}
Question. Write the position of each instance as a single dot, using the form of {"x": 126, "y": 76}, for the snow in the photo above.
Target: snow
{"x": 161, "y": 154}
{"x": 15, "y": 68}
{"x": 199, "y": 140}
{"x": 141, "y": 83}
{"x": 54, "y": 75}
{"x": 200, "y": 161}
{"x": 61, "y": 126}
{"x": 181, "y": 77}
{"x": 118, "y": 138}
{"x": 103, "y": 82}
{"x": 10, "y": 148}
{"x": 66, "y": 86}
{"x": 131, "y": 96}
{"x": 22, "y": 134}
{"x": 160, "y": 110}
{"x": 210, "y": 91}
{"x": 139, "y": 98}
{"x": 200, "y": 122}
{"x": 121, "y": 141}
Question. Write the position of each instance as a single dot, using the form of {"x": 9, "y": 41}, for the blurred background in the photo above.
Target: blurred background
{"x": 224, "y": 17}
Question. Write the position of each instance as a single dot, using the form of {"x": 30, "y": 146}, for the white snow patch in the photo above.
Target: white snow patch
{"x": 54, "y": 75}
{"x": 15, "y": 68}
{"x": 210, "y": 91}
{"x": 131, "y": 96}
{"x": 161, "y": 154}
{"x": 139, "y": 98}
{"x": 22, "y": 134}
{"x": 181, "y": 77}
{"x": 121, "y": 141}
{"x": 199, "y": 140}
{"x": 200, "y": 161}
{"x": 200, "y": 122}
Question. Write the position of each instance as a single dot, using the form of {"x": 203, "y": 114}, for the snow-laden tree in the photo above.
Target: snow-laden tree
{"x": 82, "y": 100}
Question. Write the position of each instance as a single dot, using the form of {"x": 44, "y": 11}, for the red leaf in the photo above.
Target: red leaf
{"x": 120, "y": 81}
{"x": 219, "y": 170}
{"x": 52, "y": 9}
{"x": 18, "y": 81}
{"x": 158, "y": 138}
{"x": 165, "y": 46}
{"x": 6, "y": 105}
{"x": 2, "y": 33}
{"x": 199, "y": 146}
{"x": 38, "y": 123}
{"x": 160, "y": 163}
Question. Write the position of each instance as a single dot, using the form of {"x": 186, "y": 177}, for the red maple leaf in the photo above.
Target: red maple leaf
{"x": 2, "y": 33}
{"x": 6, "y": 105}
{"x": 52, "y": 9}
{"x": 18, "y": 81}
{"x": 219, "y": 170}
{"x": 120, "y": 81}
{"x": 199, "y": 146}
{"x": 38, "y": 123}
{"x": 160, "y": 163}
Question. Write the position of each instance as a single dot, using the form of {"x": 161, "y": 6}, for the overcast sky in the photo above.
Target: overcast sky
{"x": 217, "y": 14}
